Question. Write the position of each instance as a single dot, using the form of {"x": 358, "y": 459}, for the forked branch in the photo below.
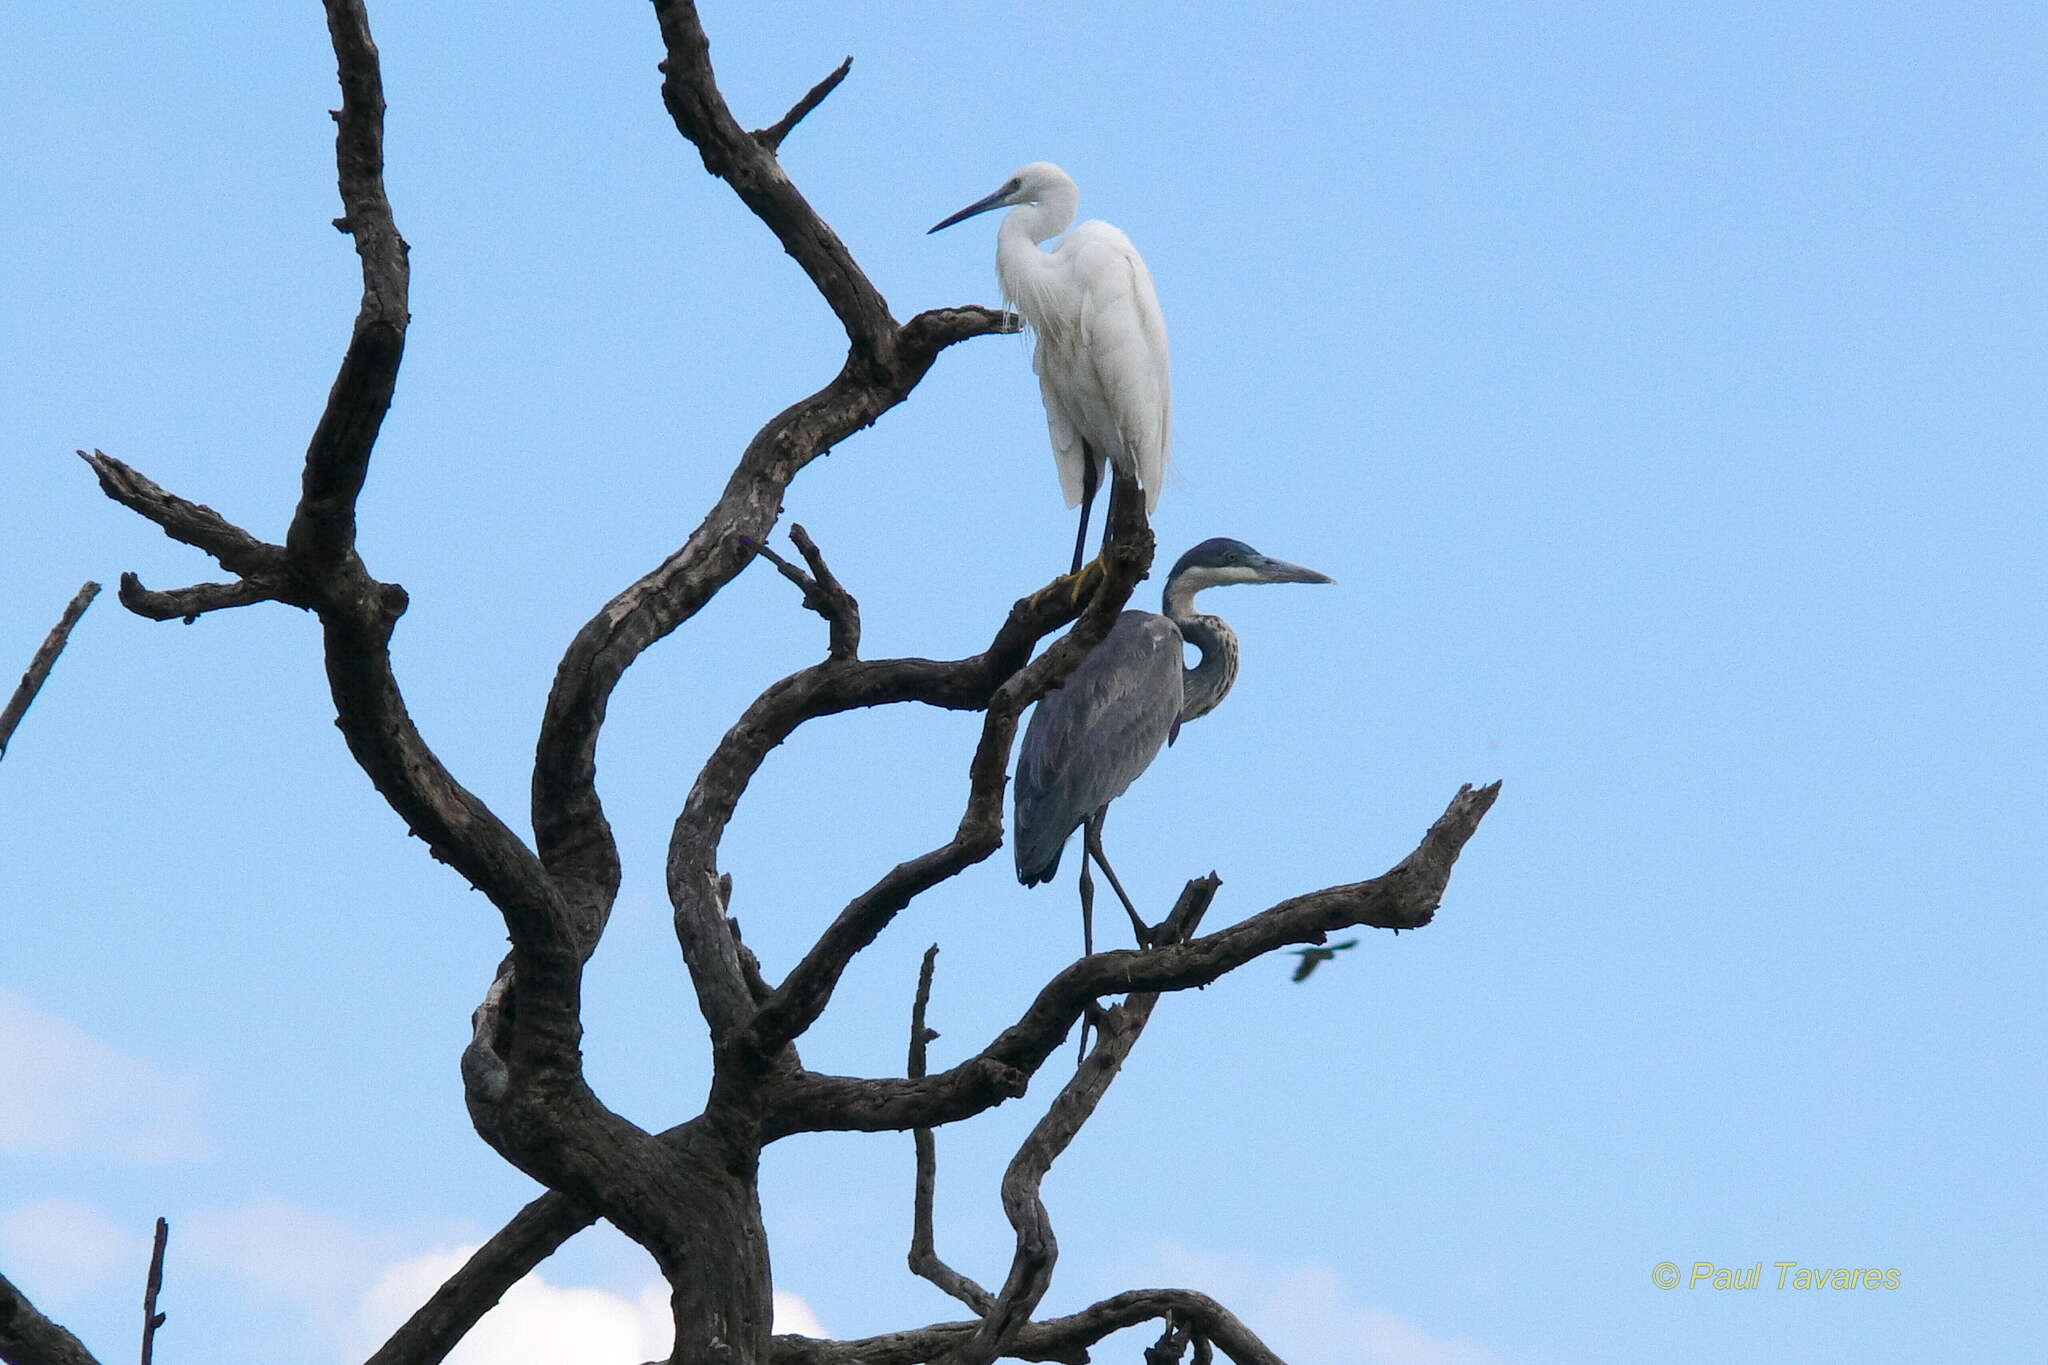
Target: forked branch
{"x": 823, "y": 593}
{"x": 735, "y": 156}
{"x": 318, "y": 567}
{"x": 804, "y": 994}
{"x": 1117, "y": 1030}
{"x": 1404, "y": 897}
{"x": 771, "y": 136}
{"x": 884, "y": 363}
{"x": 924, "y": 1257}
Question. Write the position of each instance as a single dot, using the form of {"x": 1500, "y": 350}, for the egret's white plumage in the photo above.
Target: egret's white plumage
{"x": 1101, "y": 355}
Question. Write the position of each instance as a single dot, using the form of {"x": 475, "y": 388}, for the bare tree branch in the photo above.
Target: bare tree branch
{"x": 1055, "y": 1339}
{"x": 189, "y": 604}
{"x": 821, "y": 690}
{"x": 323, "y": 530}
{"x": 319, "y": 568}
{"x": 553, "y": 1218}
{"x": 1404, "y": 897}
{"x": 196, "y": 525}
{"x": 1173, "y": 1344}
{"x": 44, "y": 660}
{"x": 924, "y": 1258}
{"x": 444, "y": 1319}
{"x": 736, "y": 157}
{"x": 1204, "y": 1316}
{"x": 808, "y": 988}
{"x": 771, "y": 136}
{"x": 573, "y": 836}
{"x": 151, "y": 1319}
{"x": 1117, "y": 1032}
{"x": 29, "y": 1338}
{"x": 823, "y": 594}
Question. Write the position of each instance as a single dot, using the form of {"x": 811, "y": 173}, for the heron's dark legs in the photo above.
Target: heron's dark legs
{"x": 1087, "y": 935}
{"x": 1087, "y": 910}
{"x": 1092, "y": 848}
{"x": 1091, "y": 479}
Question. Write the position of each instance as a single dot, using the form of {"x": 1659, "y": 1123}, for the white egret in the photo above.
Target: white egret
{"x": 1101, "y": 354}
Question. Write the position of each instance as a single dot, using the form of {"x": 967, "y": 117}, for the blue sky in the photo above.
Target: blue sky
{"x": 1663, "y": 384}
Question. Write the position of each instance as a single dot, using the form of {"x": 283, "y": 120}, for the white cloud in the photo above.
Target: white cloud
{"x": 792, "y": 1314}
{"x": 539, "y": 1323}
{"x": 284, "y": 1250}
{"x": 1306, "y": 1312}
{"x": 536, "y": 1323}
{"x": 68, "y": 1092}
{"x": 59, "y": 1250}
{"x": 347, "y": 1294}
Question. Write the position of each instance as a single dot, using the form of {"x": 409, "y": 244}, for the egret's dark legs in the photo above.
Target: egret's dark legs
{"x": 1091, "y": 479}
{"x": 1092, "y": 848}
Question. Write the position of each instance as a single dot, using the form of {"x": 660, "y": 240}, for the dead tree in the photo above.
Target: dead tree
{"x": 688, "y": 1195}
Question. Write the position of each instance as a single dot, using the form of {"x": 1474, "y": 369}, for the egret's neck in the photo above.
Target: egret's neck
{"x": 1029, "y": 276}
{"x": 1204, "y": 686}
{"x": 1048, "y": 217}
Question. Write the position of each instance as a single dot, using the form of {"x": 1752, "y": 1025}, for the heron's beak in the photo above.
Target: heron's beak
{"x": 1280, "y": 571}
{"x": 994, "y": 201}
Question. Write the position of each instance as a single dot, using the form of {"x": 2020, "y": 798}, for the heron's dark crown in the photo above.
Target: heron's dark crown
{"x": 1222, "y": 560}
{"x": 1217, "y": 552}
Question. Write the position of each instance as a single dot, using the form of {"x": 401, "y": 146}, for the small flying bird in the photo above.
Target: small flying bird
{"x": 1101, "y": 354}
{"x": 1311, "y": 958}
{"x": 1089, "y": 740}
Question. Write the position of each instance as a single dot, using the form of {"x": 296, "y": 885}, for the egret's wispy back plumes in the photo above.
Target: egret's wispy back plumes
{"x": 1101, "y": 355}
{"x": 1089, "y": 740}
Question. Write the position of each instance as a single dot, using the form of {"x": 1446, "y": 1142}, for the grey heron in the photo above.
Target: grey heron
{"x": 1089, "y": 740}
{"x": 1101, "y": 353}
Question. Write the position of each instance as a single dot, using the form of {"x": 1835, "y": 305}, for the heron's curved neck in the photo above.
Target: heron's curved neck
{"x": 1204, "y": 686}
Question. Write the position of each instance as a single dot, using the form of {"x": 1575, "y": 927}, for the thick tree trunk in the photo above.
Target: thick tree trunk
{"x": 704, "y": 1231}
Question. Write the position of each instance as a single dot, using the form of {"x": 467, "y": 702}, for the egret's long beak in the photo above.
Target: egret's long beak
{"x": 1280, "y": 571}
{"x": 994, "y": 201}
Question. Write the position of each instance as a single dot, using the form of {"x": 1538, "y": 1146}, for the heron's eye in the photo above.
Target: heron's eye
{"x": 1013, "y": 187}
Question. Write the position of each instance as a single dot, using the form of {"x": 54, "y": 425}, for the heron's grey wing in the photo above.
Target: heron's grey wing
{"x": 1123, "y": 346}
{"x": 1088, "y": 741}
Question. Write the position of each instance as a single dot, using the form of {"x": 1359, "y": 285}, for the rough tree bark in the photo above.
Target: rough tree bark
{"x": 40, "y": 664}
{"x": 689, "y": 1194}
